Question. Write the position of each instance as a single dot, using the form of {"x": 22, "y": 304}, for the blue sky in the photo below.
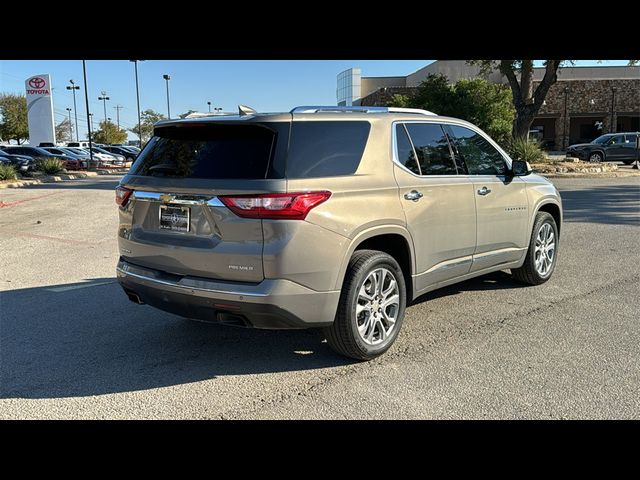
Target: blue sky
{"x": 266, "y": 85}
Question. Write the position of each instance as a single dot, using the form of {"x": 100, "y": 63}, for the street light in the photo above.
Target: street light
{"x": 135, "y": 64}
{"x": 167, "y": 78}
{"x": 209, "y": 105}
{"x": 74, "y": 87}
{"x": 70, "y": 130}
{"x": 104, "y": 99}
{"x": 218, "y": 109}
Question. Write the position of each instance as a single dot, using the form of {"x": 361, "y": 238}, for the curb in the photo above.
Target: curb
{"x": 58, "y": 178}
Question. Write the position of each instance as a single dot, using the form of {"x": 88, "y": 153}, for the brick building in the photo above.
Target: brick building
{"x": 584, "y": 103}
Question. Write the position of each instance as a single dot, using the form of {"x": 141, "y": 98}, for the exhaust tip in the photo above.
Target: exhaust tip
{"x": 134, "y": 297}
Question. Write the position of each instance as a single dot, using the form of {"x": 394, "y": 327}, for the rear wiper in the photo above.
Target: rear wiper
{"x": 163, "y": 167}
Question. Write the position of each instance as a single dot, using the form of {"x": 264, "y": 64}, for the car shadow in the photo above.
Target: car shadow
{"x": 613, "y": 205}
{"x": 62, "y": 342}
{"x": 491, "y": 281}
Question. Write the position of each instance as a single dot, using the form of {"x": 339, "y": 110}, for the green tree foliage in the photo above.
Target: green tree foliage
{"x": 109, "y": 133}
{"x": 478, "y": 101}
{"x": 13, "y": 110}
{"x": 147, "y": 119}
{"x": 64, "y": 131}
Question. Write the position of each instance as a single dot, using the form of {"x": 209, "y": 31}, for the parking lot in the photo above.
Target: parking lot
{"x": 73, "y": 346}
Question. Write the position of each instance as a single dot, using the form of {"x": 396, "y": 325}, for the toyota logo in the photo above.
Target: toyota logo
{"x": 37, "y": 82}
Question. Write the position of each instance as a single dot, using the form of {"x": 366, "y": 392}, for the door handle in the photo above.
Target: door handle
{"x": 413, "y": 195}
{"x": 484, "y": 191}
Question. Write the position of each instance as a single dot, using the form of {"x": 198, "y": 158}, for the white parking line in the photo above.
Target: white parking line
{"x": 76, "y": 287}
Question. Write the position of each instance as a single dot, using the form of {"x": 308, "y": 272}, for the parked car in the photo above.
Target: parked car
{"x": 83, "y": 144}
{"x": 28, "y": 151}
{"x": 115, "y": 158}
{"x": 72, "y": 161}
{"x": 128, "y": 155}
{"x": 100, "y": 159}
{"x": 23, "y": 163}
{"x": 612, "y": 146}
{"x": 331, "y": 217}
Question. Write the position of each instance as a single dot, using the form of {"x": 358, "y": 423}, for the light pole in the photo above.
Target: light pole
{"x": 218, "y": 110}
{"x": 118, "y": 107}
{"x": 135, "y": 64}
{"x": 104, "y": 99}
{"x": 167, "y": 78}
{"x": 209, "y": 105}
{"x": 86, "y": 103}
{"x": 74, "y": 87}
{"x": 70, "y": 130}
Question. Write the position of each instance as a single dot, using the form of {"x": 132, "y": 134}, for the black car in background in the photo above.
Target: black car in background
{"x": 22, "y": 163}
{"x": 125, "y": 152}
{"x": 610, "y": 147}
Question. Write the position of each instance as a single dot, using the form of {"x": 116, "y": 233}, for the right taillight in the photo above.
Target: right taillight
{"x": 290, "y": 206}
{"x": 122, "y": 195}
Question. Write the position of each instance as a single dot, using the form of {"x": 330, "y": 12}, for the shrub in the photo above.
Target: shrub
{"x": 49, "y": 165}
{"x": 526, "y": 149}
{"x": 7, "y": 172}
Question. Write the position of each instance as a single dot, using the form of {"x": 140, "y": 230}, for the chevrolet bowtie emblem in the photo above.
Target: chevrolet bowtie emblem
{"x": 164, "y": 198}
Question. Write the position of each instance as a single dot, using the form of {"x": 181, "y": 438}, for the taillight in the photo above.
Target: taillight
{"x": 122, "y": 195}
{"x": 291, "y": 206}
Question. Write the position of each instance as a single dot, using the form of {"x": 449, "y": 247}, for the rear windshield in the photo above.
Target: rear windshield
{"x": 325, "y": 149}
{"x": 208, "y": 151}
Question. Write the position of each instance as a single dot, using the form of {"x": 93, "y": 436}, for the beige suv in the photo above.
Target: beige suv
{"x": 329, "y": 217}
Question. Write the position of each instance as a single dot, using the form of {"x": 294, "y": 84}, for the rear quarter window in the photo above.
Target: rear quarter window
{"x": 326, "y": 149}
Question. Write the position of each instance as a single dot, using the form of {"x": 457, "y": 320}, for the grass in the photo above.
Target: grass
{"x": 49, "y": 165}
{"x": 7, "y": 172}
{"x": 527, "y": 150}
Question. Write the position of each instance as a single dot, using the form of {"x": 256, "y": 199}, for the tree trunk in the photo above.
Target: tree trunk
{"x": 522, "y": 123}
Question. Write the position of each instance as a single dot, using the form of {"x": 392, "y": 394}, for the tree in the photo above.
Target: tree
{"x": 526, "y": 100}
{"x": 147, "y": 119}
{"x": 109, "y": 133}
{"x": 14, "y": 125}
{"x": 485, "y": 104}
{"x": 64, "y": 131}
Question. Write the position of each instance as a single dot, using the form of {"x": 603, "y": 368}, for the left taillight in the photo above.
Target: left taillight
{"x": 274, "y": 206}
{"x": 122, "y": 195}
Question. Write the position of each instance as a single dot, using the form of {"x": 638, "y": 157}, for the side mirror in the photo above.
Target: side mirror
{"x": 520, "y": 168}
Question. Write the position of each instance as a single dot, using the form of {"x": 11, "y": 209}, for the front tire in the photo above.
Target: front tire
{"x": 371, "y": 307}
{"x": 540, "y": 261}
{"x": 596, "y": 157}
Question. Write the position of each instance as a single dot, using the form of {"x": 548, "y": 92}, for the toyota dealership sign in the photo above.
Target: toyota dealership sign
{"x": 40, "y": 110}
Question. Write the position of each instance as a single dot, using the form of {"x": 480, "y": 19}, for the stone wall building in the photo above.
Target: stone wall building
{"x": 584, "y": 103}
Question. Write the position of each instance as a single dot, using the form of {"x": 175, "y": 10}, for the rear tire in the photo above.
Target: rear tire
{"x": 371, "y": 307}
{"x": 539, "y": 264}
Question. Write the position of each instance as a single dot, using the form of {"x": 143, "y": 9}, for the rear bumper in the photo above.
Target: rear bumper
{"x": 272, "y": 303}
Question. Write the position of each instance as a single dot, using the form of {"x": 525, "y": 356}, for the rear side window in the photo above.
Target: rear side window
{"x": 326, "y": 149}
{"x": 406, "y": 155}
{"x": 432, "y": 149}
{"x": 208, "y": 151}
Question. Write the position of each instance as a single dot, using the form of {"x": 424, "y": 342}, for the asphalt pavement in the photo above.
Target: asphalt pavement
{"x": 73, "y": 346}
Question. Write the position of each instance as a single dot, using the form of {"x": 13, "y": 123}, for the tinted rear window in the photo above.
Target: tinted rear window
{"x": 325, "y": 149}
{"x": 207, "y": 151}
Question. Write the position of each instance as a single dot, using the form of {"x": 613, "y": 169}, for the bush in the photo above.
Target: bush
{"x": 527, "y": 150}
{"x": 49, "y": 165}
{"x": 7, "y": 172}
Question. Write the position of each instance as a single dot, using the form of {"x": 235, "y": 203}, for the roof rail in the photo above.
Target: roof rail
{"x": 360, "y": 109}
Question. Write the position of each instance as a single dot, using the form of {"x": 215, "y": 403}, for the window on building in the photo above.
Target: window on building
{"x": 432, "y": 149}
{"x": 478, "y": 154}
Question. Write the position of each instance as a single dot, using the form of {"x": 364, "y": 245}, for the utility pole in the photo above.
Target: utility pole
{"x": 167, "y": 78}
{"x": 72, "y": 86}
{"x": 135, "y": 64}
{"x": 118, "y": 107}
{"x": 86, "y": 101}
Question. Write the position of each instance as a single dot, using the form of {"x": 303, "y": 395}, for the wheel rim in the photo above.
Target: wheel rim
{"x": 595, "y": 157}
{"x": 377, "y": 307}
{"x": 545, "y": 249}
